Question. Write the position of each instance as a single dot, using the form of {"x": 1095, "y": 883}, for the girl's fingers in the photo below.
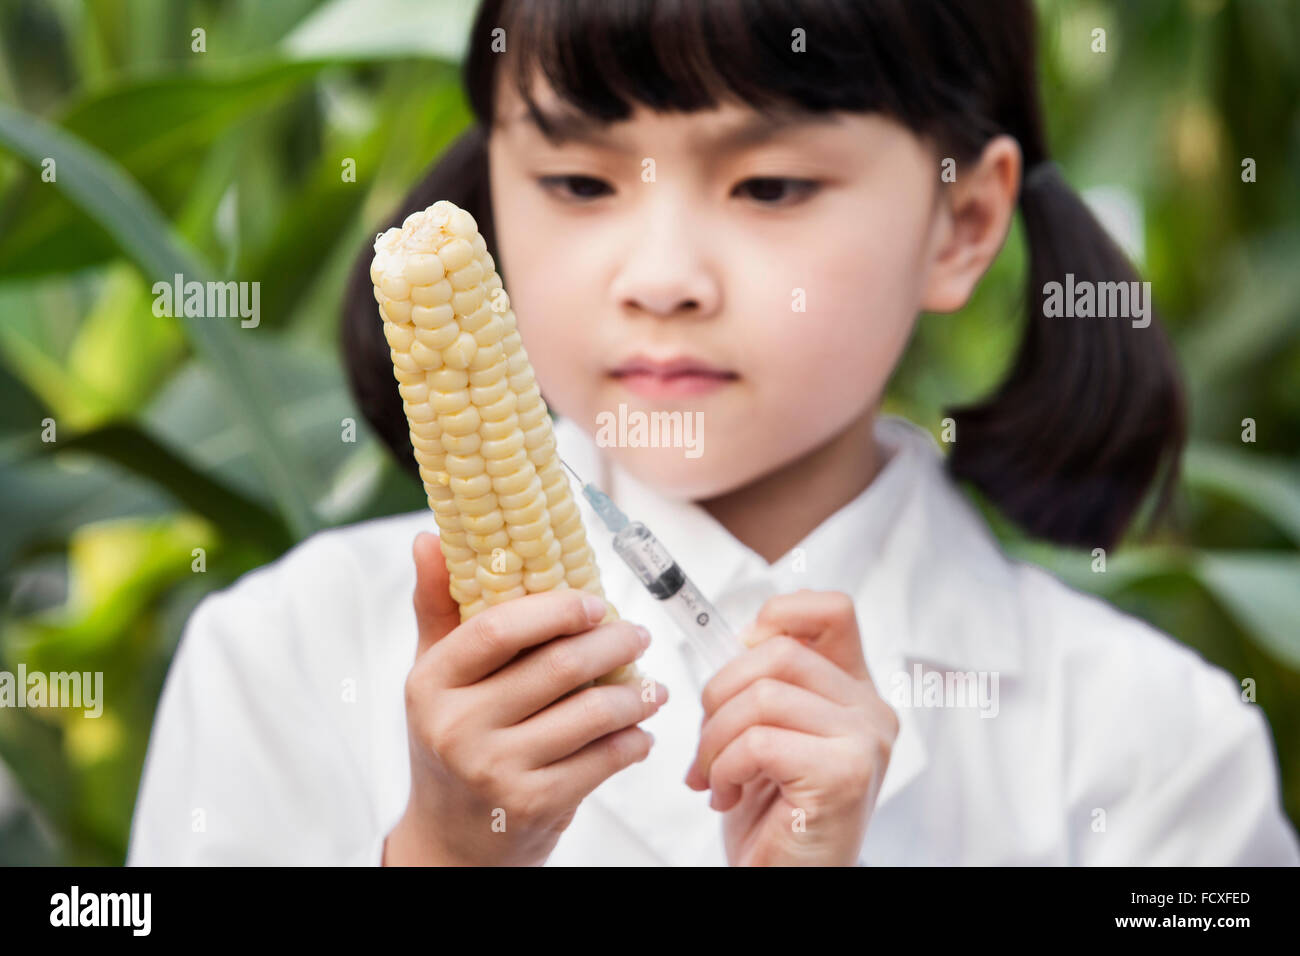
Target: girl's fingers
{"x": 570, "y": 724}
{"x": 785, "y": 756}
{"x": 436, "y": 612}
{"x": 546, "y": 673}
{"x": 771, "y": 703}
{"x": 825, "y": 620}
{"x": 785, "y": 659}
{"x": 568, "y": 781}
{"x": 493, "y": 637}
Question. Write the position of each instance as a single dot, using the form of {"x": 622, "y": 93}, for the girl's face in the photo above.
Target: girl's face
{"x": 787, "y": 259}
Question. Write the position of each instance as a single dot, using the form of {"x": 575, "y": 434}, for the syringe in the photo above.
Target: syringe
{"x": 655, "y": 568}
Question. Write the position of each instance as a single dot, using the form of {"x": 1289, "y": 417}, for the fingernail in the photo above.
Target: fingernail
{"x": 644, "y": 634}
{"x": 595, "y": 608}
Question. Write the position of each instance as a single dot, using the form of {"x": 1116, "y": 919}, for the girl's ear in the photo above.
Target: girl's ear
{"x": 974, "y": 217}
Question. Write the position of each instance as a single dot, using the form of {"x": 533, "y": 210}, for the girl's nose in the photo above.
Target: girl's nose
{"x": 665, "y": 275}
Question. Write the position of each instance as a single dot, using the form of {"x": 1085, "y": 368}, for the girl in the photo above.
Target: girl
{"x": 736, "y": 212}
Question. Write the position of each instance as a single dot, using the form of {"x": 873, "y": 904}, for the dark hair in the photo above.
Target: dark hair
{"x": 1091, "y": 409}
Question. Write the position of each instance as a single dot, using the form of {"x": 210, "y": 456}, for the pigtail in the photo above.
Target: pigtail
{"x": 1092, "y": 409}
{"x": 460, "y": 175}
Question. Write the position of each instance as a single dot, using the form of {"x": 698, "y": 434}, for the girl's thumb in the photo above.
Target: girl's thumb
{"x": 436, "y": 612}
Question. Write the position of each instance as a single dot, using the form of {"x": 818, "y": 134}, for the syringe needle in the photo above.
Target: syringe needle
{"x": 609, "y": 513}
{"x": 572, "y": 472}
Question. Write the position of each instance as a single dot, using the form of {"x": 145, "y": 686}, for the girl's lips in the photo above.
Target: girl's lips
{"x": 674, "y": 384}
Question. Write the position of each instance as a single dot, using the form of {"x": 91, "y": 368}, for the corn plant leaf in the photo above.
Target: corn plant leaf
{"x": 1267, "y": 486}
{"x": 1262, "y": 590}
{"x": 157, "y": 130}
{"x": 99, "y": 186}
{"x": 382, "y": 29}
{"x": 232, "y": 513}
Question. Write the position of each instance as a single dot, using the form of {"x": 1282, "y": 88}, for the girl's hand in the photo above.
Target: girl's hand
{"x": 501, "y": 751}
{"x": 795, "y": 739}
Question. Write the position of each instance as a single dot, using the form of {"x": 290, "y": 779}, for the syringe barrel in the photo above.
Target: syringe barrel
{"x": 648, "y": 559}
{"x": 699, "y": 620}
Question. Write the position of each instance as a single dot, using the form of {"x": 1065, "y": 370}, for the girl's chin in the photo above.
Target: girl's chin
{"x": 673, "y": 473}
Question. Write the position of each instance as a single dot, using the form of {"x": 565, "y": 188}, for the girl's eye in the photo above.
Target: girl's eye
{"x": 776, "y": 190}
{"x": 579, "y": 188}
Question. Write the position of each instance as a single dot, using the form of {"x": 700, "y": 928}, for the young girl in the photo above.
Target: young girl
{"x": 737, "y": 212}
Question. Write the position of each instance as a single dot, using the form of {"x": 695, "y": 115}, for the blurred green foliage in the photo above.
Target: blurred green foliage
{"x": 175, "y": 435}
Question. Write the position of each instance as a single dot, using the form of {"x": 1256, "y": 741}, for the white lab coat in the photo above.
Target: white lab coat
{"x": 281, "y": 737}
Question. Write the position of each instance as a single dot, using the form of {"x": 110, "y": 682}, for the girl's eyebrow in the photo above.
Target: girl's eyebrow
{"x": 564, "y": 126}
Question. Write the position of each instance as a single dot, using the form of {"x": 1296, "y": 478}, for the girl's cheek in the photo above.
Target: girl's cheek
{"x": 850, "y": 310}
{"x": 562, "y": 350}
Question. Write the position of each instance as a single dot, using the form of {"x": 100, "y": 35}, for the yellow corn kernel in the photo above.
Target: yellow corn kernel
{"x": 482, "y": 437}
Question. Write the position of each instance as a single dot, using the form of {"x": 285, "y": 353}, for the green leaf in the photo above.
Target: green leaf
{"x": 1262, "y": 589}
{"x": 308, "y": 402}
{"x": 232, "y": 513}
{"x": 99, "y": 186}
{"x": 122, "y": 350}
{"x": 107, "y": 194}
{"x": 1124, "y": 569}
{"x": 308, "y": 258}
{"x": 20, "y": 411}
{"x": 1268, "y": 486}
{"x": 383, "y": 29}
{"x": 116, "y": 568}
{"x": 34, "y": 349}
{"x": 44, "y": 499}
{"x": 1254, "y": 316}
{"x": 149, "y": 127}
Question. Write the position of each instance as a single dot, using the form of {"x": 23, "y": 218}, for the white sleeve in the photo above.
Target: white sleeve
{"x": 1213, "y": 799}
{"x": 246, "y": 763}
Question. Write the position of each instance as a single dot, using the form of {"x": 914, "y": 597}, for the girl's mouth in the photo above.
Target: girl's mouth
{"x": 669, "y": 378}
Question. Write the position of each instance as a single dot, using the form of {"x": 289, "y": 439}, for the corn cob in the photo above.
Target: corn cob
{"x": 508, "y": 522}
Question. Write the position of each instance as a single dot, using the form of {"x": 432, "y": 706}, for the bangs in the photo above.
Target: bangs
{"x": 603, "y": 57}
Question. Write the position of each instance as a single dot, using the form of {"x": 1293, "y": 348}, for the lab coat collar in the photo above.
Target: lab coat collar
{"x": 926, "y": 573}
{"x": 929, "y": 584}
